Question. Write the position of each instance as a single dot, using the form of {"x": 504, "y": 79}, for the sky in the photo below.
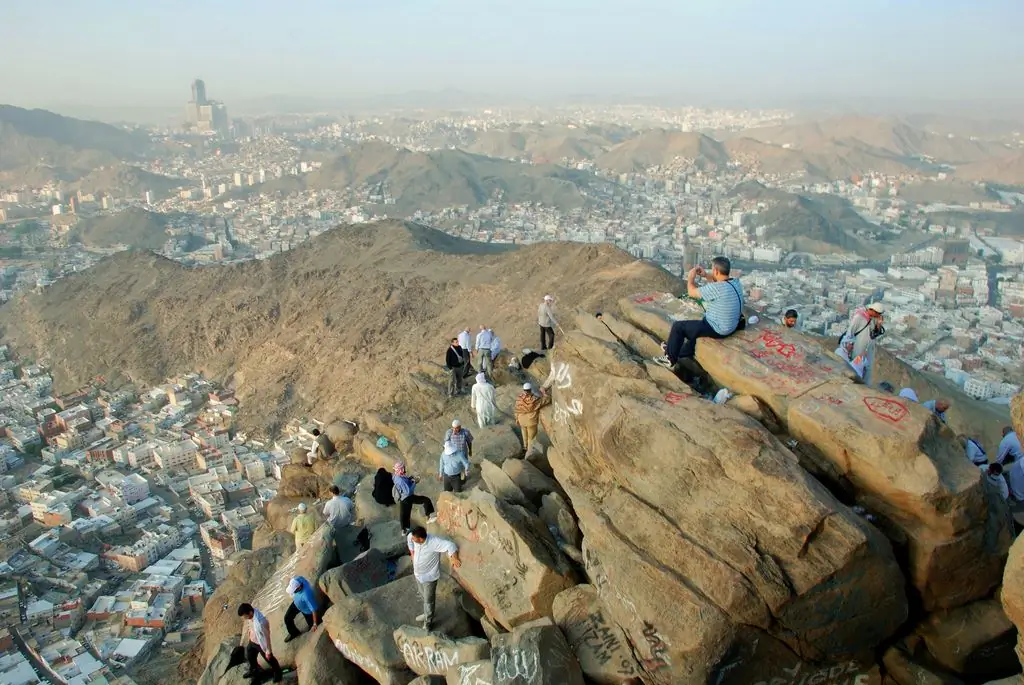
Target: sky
{"x": 126, "y": 52}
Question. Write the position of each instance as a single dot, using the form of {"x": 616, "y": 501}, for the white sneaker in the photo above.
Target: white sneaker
{"x": 664, "y": 361}
{"x": 432, "y": 518}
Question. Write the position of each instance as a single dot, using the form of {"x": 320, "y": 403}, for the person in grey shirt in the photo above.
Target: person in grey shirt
{"x": 546, "y": 321}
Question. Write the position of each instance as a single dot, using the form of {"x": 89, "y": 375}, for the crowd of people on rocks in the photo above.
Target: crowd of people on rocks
{"x": 721, "y": 297}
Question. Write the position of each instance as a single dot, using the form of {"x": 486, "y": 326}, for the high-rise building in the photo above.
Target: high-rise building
{"x": 205, "y": 115}
{"x": 199, "y": 92}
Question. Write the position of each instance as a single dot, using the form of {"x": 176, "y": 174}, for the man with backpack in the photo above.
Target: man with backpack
{"x": 722, "y": 298}
{"x": 857, "y": 344}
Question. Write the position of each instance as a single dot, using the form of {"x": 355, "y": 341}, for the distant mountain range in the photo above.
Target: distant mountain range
{"x": 37, "y": 139}
{"x": 442, "y": 178}
{"x": 825, "y": 150}
{"x": 125, "y": 180}
{"x": 547, "y": 143}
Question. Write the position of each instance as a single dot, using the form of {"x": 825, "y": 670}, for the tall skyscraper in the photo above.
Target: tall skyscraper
{"x": 199, "y": 92}
{"x": 205, "y": 115}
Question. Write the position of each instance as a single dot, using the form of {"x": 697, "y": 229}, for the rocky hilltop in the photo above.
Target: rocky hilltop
{"x": 811, "y": 530}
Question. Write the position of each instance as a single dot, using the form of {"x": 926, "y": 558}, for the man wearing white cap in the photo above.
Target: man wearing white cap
{"x": 303, "y": 526}
{"x": 858, "y": 341}
{"x": 528, "y": 406}
{"x": 460, "y": 438}
{"x": 546, "y": 321}
{"x": 303, "y": 602}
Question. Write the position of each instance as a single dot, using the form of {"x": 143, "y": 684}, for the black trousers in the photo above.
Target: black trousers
{"x": 452, "y": 483}
{"x": 682, "y": 339}
{"x": 547, "y": 337}
{"x": 289, "y": 620}
{"x": 406, "y": 508}
{"x": 252, "y": 653}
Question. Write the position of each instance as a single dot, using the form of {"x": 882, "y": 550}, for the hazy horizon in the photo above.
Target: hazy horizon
{"x": 739, "y": 52}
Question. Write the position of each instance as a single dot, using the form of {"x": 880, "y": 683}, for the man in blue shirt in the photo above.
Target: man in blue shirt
{"x": 723, "y": 305}
{"x": 303, "y": 602}
{"x": 452, "y": 468}
{"x": 938, "y": 407}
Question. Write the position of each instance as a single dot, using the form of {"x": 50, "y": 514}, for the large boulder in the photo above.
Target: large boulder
{"x": 310, "y": 561}
{"x": 320, "y": 663}
{"x": 903, "y": 668}
{"x": 1017, "y": 413}
{"x": 366, "y": 572}
{"x": 500, "y": 484}
{"x": 559, "y": 519}
{"x": 476, "y": 673}
{"x": 300, "y": 481}
{"x": 341, "y": 434}
{"x": 600, "y": 646}
{"x": 1012, "y": 595}
{"x": 529, "y": 479}
{"x": 694, "y": 507}
{"x": 535, "y": 653}
{"x": 974, "y": 640}
{"x": 893, "y": 456}
{"x": 510, "y": 563}
{"x": 363, "y": 626}
{"x": 431, "y": 653}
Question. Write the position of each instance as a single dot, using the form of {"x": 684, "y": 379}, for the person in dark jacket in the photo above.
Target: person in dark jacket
{"x": 455, "y": 360}
{"x": 382, "y": 488}
{"x": 529, "y": 356}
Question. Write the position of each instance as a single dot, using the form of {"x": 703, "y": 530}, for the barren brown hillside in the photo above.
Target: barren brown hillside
{"x": 334, "y": 326}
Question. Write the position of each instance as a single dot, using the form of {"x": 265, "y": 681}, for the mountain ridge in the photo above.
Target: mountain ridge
{"x": 302, "y": 330}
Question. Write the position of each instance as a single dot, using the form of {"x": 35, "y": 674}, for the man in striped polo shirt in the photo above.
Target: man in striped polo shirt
{"x": 723, "y": 304}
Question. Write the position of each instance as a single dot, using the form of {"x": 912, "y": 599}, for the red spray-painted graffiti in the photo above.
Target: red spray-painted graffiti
{"x": 773, "y": 341}
{"x": 886, "y": 409}
{"x": 674, "y": 397}
{"x": 644, "y": 300}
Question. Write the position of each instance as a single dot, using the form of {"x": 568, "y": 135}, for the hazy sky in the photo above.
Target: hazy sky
{"x": 146, "y": 53}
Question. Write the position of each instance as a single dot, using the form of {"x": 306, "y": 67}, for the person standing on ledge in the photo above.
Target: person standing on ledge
{"x": 303, "y": 526}
{"x": 426, "y": 551}
{"x": 405, "y": 490}
{"x": 483, "y": 348}
{"x": 858, "y": 343}
{"x": 303, "y": 602}
{"x": 546, "y": 321}
{"x": 455, "y": 360}
{"x": 453, "y": 468}
{"x": 528, "y": 406}
{"x": 482, "y": 401}
{"x": 722, "y": 298}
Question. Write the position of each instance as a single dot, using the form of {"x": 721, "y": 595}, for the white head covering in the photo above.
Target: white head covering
{"x": 908, "y": 394}
{"x": 449, "y": 448}
{"x": 527, "y": 350}
{"x": 548, "y": 298}
{"x": 481, "y": 378}
{"x": 456, "y": 423}
{"x": 293, "y": 586}
{"x": 302, "y": 507}
{"x": 527, "y": 386}
{"x": 878, "y": 307}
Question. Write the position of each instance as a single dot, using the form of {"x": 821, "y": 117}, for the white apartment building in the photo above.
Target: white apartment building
{"x": 978, "y": 389}
{"x": 180, "y": 455}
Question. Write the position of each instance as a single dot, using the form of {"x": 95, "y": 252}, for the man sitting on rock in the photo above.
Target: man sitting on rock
{"x": 405, "y": 493}
{"x": 303, "y": 602}
{"x": 722, "y": 297}
{"x": 324, "y": 447}
{"x": 303, "y": 526}
{"x": 426, "y": 551}
{"x": 259, "y": 643}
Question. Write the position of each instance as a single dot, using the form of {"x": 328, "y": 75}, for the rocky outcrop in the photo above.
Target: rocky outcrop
{"x": 363, "y": 626}
{"x": 1012, "y": 594}
{"x": 975, "y": 640}
{"x": 600, "y": 646}
{"x": 695, "y": 506}
{"x": 893, "y": 456}
{"x": 535, "y": 653}
{"x": 320, "y": 663}
{"x": 1017, "y": 413}
{"x": 510, "y": 563}
{"x": 430, "y": 653}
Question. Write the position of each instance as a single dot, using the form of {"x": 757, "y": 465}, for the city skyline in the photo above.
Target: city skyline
{"x": 742, "y": 51}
